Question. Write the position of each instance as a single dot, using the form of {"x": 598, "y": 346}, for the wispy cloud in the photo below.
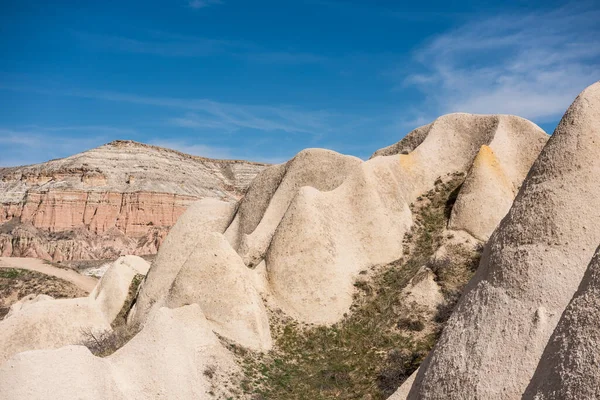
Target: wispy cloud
{"x": 160, "y": 44}
{"x": 196, "y": 4}
{"x": 532, "y": 65}
{"x": 175, "y": 45}
{"x": 218, "y": 152}
{"x": 31, "y": 145}
{"x": 206, "y": 113}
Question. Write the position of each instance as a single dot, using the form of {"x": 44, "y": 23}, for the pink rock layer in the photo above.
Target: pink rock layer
{"x": 134, "y": 214}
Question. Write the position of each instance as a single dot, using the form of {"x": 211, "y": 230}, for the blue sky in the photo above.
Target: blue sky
{"x": 262, "y": 80}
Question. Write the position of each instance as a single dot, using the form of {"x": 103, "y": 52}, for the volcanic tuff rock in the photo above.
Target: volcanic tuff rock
{"x": 485, "y": 197}
{"x": 175, "y": 356}
{"x": 530, "y": 269}
{"x": 197, "y": 265}
{"x": 569, "y": 368}
{"x": 46, "y": 323}
{"x": 120, "y": 198}
{"x": 326, "y": 237}
{"x": 305, "y": 229}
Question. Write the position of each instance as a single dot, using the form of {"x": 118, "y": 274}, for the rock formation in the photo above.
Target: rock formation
{"x": 531, "y": 267}
{"x": 297, "y": 241}
{"x": 175, "y": 356}
{"x": 120, "y": 198}
{"x": 485, "y": 197}
{"x": 46, "y": 323}
{"x": 325, "y": 237}
{"x": 569, "y": 368}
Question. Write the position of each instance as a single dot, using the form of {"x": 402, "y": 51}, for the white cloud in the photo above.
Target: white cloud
{"x": 217, "y": 152}
{"x": 532, "y": 65}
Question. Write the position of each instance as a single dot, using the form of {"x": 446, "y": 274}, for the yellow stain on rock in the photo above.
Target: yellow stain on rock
{"x": 407, "y": 161}
{"x": 486, "y": 160}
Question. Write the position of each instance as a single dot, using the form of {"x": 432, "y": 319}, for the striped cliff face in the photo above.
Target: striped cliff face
{"x": 75, "y": 207}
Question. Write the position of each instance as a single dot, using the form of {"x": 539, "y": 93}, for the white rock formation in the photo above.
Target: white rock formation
{"x": 197, "y": 265}
{"x": 50, "y": 324}
{"x": 423, "y": 290}
{"x": 485, "y": 197}
{"x": 300, "y": 237}
{"x": 570, "y": 366}
{"x": 324, "y": 238}
{"x": 215, "y": 277}
{"x": 168, "y": 359}
{"x": 530, "y": 269}
{"x": 271, "y": 194}
{"x": 402, "y": 392}
{"x": 25, "y": 302}
{"x": 111, "y": 291}
{"x": 46, "y": 323}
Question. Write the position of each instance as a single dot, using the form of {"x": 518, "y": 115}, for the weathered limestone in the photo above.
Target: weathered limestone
{"x": 198, "y": 265}
{"x": 215, "y": 277}
{"x": 269, "y": 197}
{"x": 49, "y": 324}
{"x": 324, "y": 238}
{"x": 111, "y": 291}
{"x": 423, "y": 290}
{"x": 485, "y": 197}
{"x": 202, "y": 218}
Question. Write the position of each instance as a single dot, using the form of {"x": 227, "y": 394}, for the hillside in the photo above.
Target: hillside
{"x": 459, "y": 263}
{"x": 120, "y": 198}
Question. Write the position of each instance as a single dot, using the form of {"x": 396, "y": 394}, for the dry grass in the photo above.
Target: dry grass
{"x": 17, "y": 283}
{"x": 378, "y": 345}
{"x": 103, "y": 344}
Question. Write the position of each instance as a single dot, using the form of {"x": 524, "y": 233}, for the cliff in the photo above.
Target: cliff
{"x": 108, "y": 201}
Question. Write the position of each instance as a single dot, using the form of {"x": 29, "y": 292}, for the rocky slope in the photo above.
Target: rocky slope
{"x": 120, "y": 198}
{"x": 531, "y": 268}
{"x": 293, "y": 249}
{"x": 268, "y": 296}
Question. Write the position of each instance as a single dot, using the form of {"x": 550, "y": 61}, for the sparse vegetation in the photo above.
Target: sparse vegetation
{"x": 452, "y": 274}
{"x": 121, "y": 318}
{"x": 105, "y": 343}
{"x": 378, "y": 345}
{"x": 17, "y": 283}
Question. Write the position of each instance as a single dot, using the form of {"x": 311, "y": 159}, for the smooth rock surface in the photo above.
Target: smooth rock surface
{"x": 484, "y": 198}
{"x": 166, "y": 360}
{"x": 325, "y": 238}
